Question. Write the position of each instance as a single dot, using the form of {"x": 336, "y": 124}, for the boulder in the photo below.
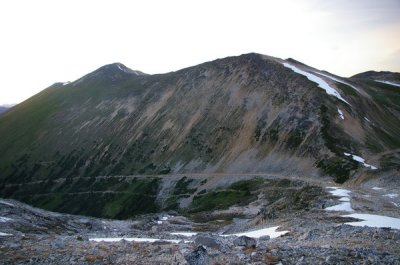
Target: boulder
{"x": 211, "y": 242}
{"x": 198, "y": 257}
{"x": 245, "y": 241}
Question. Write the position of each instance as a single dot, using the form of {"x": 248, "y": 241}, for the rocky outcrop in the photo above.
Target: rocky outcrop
{"x": 198, "y": 257}
{"x": 245, "y": 241}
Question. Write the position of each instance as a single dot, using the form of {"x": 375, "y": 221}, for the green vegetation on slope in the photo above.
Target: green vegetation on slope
{"x": 339, "y": 166}
{"x": 112, "y": 197}
{"x": 239, "y": 193}
{"x": 181, "y": 190}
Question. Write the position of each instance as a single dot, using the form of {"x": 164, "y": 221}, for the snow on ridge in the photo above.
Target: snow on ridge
{"x": 344, "y": 198}
{"x": 377, "y": 188}
{"x": 361, "y": 160}
{"x": 321, "y": 83}
{"x": 338, "y": 80}
{"x": 4, "y": 234}
{"x": 373, "y": 220}
{"x": 127, "y": 70}
{"x": 340, "y": 114}
{"x": 387, "y": 82}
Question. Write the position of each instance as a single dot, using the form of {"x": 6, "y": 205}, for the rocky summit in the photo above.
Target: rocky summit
{"x": 243, "y": 160}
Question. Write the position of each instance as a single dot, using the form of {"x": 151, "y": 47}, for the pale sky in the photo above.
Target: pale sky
{"x": 48, "y": 41}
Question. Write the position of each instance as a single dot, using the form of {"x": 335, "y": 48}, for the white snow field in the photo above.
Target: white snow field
{"x": 344, "y": 198}
{"x": 361, "y": 160}
{"x": 372, "y": 220}
{"x": 338, "y": 80}
{"x": 321, "y": 83}
{"x": 187, "y": 234}
{"x": 340, "y": 114}
{"x": 134, "y": 239}
{"x": 387, "y": 82}
{"x": 271, "y": 231}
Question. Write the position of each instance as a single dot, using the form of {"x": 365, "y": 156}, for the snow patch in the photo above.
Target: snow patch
{"x": 321, "y": 83}
{"x": 134, "y": 239}
{"x": 365, "y": 118}
{"x": 159, "y": 222}
{"x": 340, "y": 114}
{"x": 187, "y": 234}
{"x": 344, "y": 198}
{"x": 377, "y": 188}
{"x": 372, "y": 220}
{"x": 5, "y": 219}
{"x": 361, "y": 160}
{"x": 66, "y": 83}
{"x": 344, "y": 206}
{"x": 338, "y": 80}
{"x": 4, "y": 234}
{"x": 390, "y": 195}
{"x": 6, "y": 203}
{"x": 387, "y": 82}
{"x": 164, "y": 218}
{"x": 339, "y": 192}
{"x": 271, "y": 231}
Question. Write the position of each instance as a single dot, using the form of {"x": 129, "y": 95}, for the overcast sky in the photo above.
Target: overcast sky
{"x": 48, "y": 41}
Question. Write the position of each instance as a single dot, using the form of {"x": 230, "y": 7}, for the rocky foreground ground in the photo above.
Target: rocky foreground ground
{"x": 315, "y": 236}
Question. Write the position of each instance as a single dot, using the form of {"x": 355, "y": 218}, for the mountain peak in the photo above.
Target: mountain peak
{"x": 118, "y": 67}
{"x": 111, "y": 72}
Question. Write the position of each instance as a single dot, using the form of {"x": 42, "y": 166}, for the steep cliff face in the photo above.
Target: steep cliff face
{"x": 245, "y": 114}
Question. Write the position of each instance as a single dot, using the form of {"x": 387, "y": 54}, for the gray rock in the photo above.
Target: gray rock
{"x": 241, "y": 256}
{"x": 58, "y": 243}
{"x": 245, "y": 241}
{"x": 206, "y": 241}
{"x": 14, "y": 245}
{"x": 211, "y": 242}
{"x": 332, "y": 260}
{"x": 264, "y": 238}
{"x": 198, "y": 257}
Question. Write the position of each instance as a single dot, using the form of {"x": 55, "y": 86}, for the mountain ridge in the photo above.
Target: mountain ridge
{"x": 243, "y": 114}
